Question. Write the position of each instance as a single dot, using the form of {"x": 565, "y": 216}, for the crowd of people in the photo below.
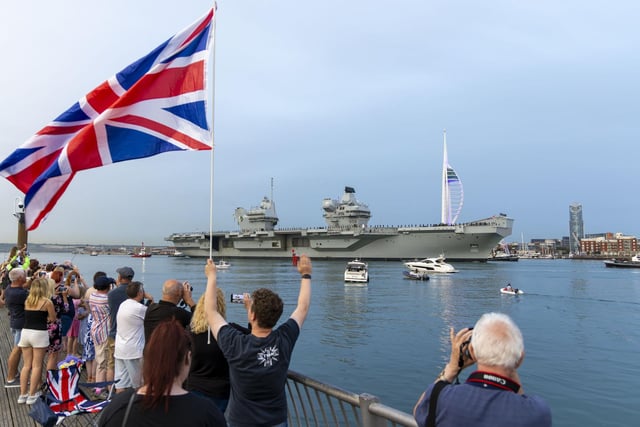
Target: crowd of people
{"x": 178, "y": 356}
{"x": 166, "y": 358}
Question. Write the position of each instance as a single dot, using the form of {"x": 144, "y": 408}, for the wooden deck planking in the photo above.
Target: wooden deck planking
{"x": 11, "y": 413}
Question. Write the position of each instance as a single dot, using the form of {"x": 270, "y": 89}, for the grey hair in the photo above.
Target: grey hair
{"x": 16, "y": 273}
{"x": 497, "y": 341}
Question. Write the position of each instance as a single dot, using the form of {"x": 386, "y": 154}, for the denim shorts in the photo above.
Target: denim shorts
{"x": 16, "y": 336}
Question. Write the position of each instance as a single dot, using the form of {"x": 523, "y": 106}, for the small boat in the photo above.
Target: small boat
{"x": 93, "y": 253}
{"x": 624, "y": 263}
{"x": 176, "y": 254}
{"x": 415, "y": 275}
{"x": 142, "y": 253}
{"x": 502, "y": 253}
{"x": 430, "y": 265}
{"x": 357, "y": 271}
{"x": 511, "y": 291}
{"x": 222, "y": 265}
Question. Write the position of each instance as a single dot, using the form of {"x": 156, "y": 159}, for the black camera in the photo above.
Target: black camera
{"x": 465, "y": 354}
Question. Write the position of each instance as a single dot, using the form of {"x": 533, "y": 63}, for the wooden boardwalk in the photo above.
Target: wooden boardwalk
{"x": 11, "y": 414}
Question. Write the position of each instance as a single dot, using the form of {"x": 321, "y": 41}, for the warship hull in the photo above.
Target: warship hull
{"x": 473, "y": 241}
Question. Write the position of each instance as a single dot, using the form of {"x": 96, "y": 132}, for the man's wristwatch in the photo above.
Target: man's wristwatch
{"x": 306, "y": 276}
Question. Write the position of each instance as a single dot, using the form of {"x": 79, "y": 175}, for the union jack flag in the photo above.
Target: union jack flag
{"x": 156, "y": 104}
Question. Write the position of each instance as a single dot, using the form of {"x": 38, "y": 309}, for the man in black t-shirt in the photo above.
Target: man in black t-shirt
{"x": 258, "y": 362}
{"x": 14, "y": 297}
{"x": 172, "y": 293}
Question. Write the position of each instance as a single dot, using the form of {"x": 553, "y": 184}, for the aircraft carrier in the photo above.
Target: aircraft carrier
{"x": 347, "y": 235}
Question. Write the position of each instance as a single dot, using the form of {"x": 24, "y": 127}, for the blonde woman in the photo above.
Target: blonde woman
{"x": 209, "y": 372}
{"x": 38, "y": 311}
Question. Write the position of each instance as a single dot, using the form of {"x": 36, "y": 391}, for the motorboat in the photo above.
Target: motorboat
{"x": 430, "y": 265}
{"x": 414, "y": 275}
{"x": 511, "y": 291}
{"x": 357, "y": 271}
{"x": 624, "y": 263}
{"x": 222, "y": 265}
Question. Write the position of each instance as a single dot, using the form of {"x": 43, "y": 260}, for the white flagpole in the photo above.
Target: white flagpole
{"x": 213, "y": 109}
{"x": 213, "y": 115}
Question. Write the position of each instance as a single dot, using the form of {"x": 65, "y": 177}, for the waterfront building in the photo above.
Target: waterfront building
{"x": 576, "y": 227}
{"x": 610, "y": 244}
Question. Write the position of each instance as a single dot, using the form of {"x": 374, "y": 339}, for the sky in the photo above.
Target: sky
{"x": 539, "y": 100}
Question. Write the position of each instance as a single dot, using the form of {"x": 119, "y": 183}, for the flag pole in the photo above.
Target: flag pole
{"x": 213, "y": 115}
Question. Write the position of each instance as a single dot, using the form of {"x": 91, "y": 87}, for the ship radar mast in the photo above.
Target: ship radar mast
{"x": 452, "y": 192}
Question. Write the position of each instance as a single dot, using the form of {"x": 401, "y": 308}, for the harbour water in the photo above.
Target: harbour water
{"x": 389, "y": 338}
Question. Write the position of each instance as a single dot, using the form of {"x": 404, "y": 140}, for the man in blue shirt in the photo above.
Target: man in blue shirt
{"x": 493, "y": 394}
{"x": 14, "y": 297}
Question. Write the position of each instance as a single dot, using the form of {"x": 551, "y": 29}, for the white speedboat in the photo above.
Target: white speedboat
{"x": 357, "y": 271}
{"x": 430, "y": 265}
{"x": 222, "y": 265}
{"x": 511, "y": 291}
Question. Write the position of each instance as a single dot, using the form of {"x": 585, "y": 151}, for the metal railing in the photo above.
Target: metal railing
{"x": 314, "y": 404}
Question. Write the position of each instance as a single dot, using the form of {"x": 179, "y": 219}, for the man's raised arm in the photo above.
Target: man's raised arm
{"x": 214, "y": 319}
{"x": 304, "y": 298}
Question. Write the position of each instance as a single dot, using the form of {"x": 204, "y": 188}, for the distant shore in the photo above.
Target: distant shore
{"x": 89, "y": 248}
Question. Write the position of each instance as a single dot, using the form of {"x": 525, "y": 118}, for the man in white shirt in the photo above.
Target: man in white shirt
{"x": 129, "y": 343}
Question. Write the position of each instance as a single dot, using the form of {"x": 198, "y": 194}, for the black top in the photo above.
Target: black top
{"x": 209, "y": 372}
{"x": 187, "y": 409}
{"x": 35, "y": 319}
{"x": 160, "y": 311}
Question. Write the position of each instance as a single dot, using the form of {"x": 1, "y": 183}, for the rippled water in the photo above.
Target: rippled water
{"x": 390, "y": 338}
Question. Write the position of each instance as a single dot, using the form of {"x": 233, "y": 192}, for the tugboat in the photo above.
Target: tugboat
{"x": 142, "y": 253}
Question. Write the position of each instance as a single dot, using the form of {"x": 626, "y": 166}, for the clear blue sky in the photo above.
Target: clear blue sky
{"x": 539, "y": 99}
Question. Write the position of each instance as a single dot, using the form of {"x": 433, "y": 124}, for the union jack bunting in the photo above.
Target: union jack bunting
{"x": 154, "y": 105}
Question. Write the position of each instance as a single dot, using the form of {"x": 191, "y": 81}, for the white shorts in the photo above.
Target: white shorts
{"x": 129, "y": 372}
{"x": 34, "y": 338}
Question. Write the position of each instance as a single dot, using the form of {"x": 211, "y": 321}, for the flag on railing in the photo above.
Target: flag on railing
{"x": 154, "y": 105}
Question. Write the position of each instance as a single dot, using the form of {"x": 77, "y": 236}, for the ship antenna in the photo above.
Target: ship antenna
{"x": 273, "y": 206}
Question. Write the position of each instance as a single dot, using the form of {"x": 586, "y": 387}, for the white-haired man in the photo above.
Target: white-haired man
{"x": 493, "y": 394}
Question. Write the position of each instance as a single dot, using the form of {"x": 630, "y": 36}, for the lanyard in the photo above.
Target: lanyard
{"x": 494, "y": 380}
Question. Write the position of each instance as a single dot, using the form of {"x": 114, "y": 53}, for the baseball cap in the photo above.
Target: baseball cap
{"x": 126, "y": 272}
{"x": 103, "y": 282}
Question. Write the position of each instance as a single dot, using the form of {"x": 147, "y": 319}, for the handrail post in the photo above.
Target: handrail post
{"x": 369, "y": 419}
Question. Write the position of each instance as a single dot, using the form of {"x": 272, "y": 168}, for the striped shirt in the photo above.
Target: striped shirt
{"x": 99, "y": 304}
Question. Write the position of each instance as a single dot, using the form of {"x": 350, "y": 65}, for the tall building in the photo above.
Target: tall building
{"x": 576, "y": 227}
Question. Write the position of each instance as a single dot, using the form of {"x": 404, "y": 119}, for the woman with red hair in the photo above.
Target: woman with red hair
{"x": 162, "y": 401}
